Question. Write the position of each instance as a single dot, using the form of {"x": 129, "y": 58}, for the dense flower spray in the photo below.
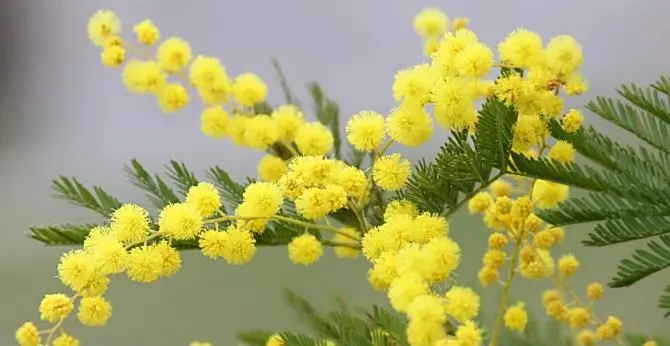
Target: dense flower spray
{"x": 412, "y": 257}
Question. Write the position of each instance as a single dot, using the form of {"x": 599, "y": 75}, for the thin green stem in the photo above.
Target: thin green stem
{"x": 153, "y": 235}
{"x": 511, "y": 273}
{"x": 361, "y": 220}
{"x": 376, "y": 154}
{"x": 327, "y": 228}
{"x": 315, "y": 226}
{"x": 340, "y": 244}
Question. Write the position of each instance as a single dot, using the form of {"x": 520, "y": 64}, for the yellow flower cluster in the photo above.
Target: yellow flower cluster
{"x": 411, "y": 254}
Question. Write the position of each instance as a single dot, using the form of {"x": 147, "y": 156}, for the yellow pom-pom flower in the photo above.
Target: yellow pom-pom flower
{"x": 102, "y": 25}
{"x": 180, "y": 221}
{"x": 391, "y": 172}
{"x": 427, "y": 309}
{"x": 305, "y": 249}
{"x": 548, "y": 194}
{"x": 516, "y": 317}
{"x": 594, "y": 291}
{"x": 174, "y": 54}
{"x": 568, "y": 265}
{"x": 66, "y": 340}
{"x": 564, "y": 54}
{"x": 400, "y": 207}
{"x": 414, "y": 84}
{"x": 211, "y": 79}
{"x": 249, "y": 90}
{"x": 238, "y": 246}
{"x": 94, "y": 311}
{"x": 383, "y": 271}
{"x": 480, "y": 202}
{"x": 572, "y": 121}
{"x": 475, "y": 61}
{"x": 288, "y": 119}
{"x": 410, "y": 124}
{"x": 260, "y": 132}
{"x": 147, "y": 33}
{"x": 205, "y": 198}
{"x": 521, "y": 48}
{"x": 271, "y": 168}
{"x": 145, "y": 264}
{"x": 365, "y": 130}
{"x": 562, "y": 152}
{"x": 143, "y": 76}
{"x": 130, "y": 223}
{"x": 314, "y": 139}
{"x": 404, "y": 289}
{"x": 172, "y": 97}
{"x": 214, "y": 122}
{"x": 28, "y": 335}
{"x": 462, "y": 303}
{"x": 55, "y": 307}
{"x": 431, "y": 22}
{"x": 113, "y": 56}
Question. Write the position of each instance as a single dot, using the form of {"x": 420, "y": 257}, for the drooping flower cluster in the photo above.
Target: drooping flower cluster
{"x": 412, "y": 258}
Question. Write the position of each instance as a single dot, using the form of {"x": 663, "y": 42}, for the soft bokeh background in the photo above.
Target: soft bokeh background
{"x": 61, "y": 112}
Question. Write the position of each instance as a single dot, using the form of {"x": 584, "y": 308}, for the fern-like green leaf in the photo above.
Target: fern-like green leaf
{"x": 308, "y": 315}
{"x": 351, "y": 330}
{"x": 493, "y": 140}
{"x": 231, "y": 190}
{"x": 61, "y": 235}
{"x": 625, "y": 229}
{"x": 643, "y": 263}
{"x": 391, "y": 323}
{"x": 664, "y": 301}
{"x": 598, "y": 207}
{"x": 181, "y": 176}
{"x": 647, "y": 99}
{"x": 98, "y": 200}
{"x": 289, "y": 96}
{"x": 293, "y": 339}
{"x": 640, "y": 165}
{"x": 641, "y": 124}
{"x": 328, "y": 113}
{"x": 158, "y": 192}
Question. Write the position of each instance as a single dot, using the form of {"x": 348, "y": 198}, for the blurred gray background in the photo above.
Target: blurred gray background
{"x": 62, "y": 112}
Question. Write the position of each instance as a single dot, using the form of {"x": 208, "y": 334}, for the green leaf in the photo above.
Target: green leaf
{"x": 351, "y": 330}
{"x": 328, "y": 113}
{"x": 391, "y": 323}
{"x": 254, "y": 337}
{"x": 181, "y": 176}
{"x": 639, "y": 165}
{"x": 617, "y": 231}
{"x": 158, "y": 192}
{"x": 291, "y": 339}
{"x": 71, "y": 190}
{"x": 67, "y": 234}
{"x": 309, "y": 316}
{"x": 636, "y": 121}
{"x": 230, "y": 190}
{"x": 643, "y": 263}
{"x": 494, "y": 133}
{"x": 664, "y": 301}
{"x": 598, "y": 207}
{"x": 647, "y": 99}
{"x": 289, "y": 96}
